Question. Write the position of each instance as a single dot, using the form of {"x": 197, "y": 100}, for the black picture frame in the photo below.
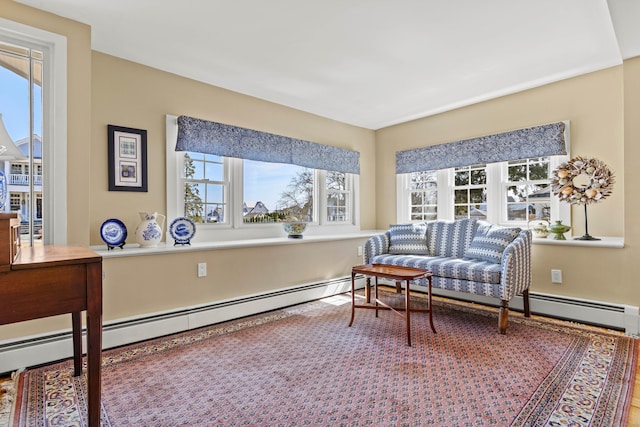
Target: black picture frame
{"x": 127, "y": 158}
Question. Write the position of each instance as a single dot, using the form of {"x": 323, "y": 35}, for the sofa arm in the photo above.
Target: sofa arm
{"x": 376, "y": 245}
{"x": 516, "y": 266}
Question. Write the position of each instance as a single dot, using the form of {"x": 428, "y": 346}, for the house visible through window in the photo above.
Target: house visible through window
{"x": 21, "y": 81}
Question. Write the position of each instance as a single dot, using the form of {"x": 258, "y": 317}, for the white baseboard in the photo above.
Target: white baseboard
{"x": 614, "y": 316}
{"x": 46, "y": 348}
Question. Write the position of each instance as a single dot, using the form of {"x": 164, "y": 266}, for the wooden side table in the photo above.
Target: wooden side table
{"x": 49, "y": 280}
{"x": 399, "y": 274}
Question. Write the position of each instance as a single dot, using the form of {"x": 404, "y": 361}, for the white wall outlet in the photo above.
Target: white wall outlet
{"x": 556, "y": 276}
{"x": 359, "y": 250}
{"x": 202, "y": 269}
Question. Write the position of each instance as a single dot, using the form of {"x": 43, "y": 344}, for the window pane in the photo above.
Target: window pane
{"x": 478, "y": 177}
{"x": 285, "y": 191}
{"x": 461, "y": 196}
{"x": 204, "y": 188}
{"x": 21, "y": 109}
{"x": 539, "y": 171}
{"x": 477, "y": 195}
{"x": 423, "y": 196}
{"x": 517, "y": 173}
{"x": 462, "y": 178}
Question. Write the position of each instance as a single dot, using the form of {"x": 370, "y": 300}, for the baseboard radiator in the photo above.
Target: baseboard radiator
{"x": 613, "y": 316}
{"x": 46, "y": 348}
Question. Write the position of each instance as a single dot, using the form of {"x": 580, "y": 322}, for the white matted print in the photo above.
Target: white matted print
{"x": 127, "y": 159}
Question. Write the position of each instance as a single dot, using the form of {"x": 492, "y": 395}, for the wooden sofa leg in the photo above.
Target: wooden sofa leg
{"x": 503, "y": 317}
{"x": 367, "y": 290}
{"x": 525, "y": 298}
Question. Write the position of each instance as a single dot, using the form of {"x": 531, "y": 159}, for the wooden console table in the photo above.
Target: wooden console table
{"x": 49, "y": 280}
{"x": 397, "y": 273}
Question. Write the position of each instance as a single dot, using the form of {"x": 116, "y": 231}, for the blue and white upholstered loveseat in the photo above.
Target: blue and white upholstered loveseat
{"x": 465, "y": 255}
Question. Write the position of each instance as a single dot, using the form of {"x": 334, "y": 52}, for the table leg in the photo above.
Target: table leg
{"x": 376, "y": 294}
{"x": 433, "y": 328}
{"x": 353, "y": 297}
{"x": 94, "y": 341}
{"x": 407, "y": 312}
{"x": 76, "y": 328}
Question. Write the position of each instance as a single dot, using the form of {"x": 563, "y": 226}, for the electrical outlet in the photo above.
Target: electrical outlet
{"x": 556, "y": 276}
{"x": 202, "y": 269}
{"x": 359, "y": 250}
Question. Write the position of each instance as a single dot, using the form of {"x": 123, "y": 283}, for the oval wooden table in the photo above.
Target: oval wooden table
{"x": 399, "y": 274}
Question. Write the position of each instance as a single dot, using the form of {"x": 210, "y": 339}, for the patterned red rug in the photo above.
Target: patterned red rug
{"x": 304, "y": 366}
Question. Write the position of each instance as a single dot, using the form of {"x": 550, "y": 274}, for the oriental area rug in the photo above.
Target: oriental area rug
{"x": 303, "y": 366}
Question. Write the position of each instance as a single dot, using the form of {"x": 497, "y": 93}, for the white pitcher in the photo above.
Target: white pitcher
{"x": 149, "y": 231}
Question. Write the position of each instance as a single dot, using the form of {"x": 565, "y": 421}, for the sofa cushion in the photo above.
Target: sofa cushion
{"x": 450, "y": 238}
{"x": 408, "y": 239}
{"x": 490, "y": 241}
{"x": 452, "y": 268}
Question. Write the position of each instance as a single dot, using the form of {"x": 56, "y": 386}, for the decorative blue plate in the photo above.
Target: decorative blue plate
{"x": 113, "y": 232}
{"x": 182, "y": 230}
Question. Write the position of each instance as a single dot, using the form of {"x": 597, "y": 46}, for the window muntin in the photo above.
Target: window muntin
{"x": 470, "y": 192}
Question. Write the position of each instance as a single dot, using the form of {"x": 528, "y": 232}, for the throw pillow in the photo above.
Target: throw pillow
{"x": 408, "y": 239}
{"x": 490, "y": 241}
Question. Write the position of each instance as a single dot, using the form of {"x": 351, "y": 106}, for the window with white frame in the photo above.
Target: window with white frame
{"x": 470, "y": 192}
{"x": 231, "y": 198}
{"x": 32, "y": 62}
{"x": 338, "y": 197}
{"x": 423, "y": 196}
{"x": 513, "y": 192}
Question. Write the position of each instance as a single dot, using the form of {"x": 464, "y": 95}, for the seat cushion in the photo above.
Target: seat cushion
{"x": 448, "y": 267}
{"x": 410, "y": 239}
{"x": 490, "y": 241}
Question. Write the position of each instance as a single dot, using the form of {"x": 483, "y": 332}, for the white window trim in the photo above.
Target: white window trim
{"x": 495, "y": 183}
{"x": 235, "y": 228}
{"x": 54, "y": 127}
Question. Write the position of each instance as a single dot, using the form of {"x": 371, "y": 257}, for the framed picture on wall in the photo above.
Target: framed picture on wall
{"x": 127, "y": 159}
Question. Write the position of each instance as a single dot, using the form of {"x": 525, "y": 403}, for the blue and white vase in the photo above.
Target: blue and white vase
{"x": 149, "y": 231}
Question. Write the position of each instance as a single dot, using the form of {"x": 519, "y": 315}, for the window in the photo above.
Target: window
{"x": 470, "y": 192}
{"x": 528, "y": 191}
{"x": 338, "y": 197}
{"x": 32, "y": 62}
{"x": 423, "y": 196}
{"x": 230, "y": 198}
{"x": 204, "y": 188}
{"x": 513, "y": 192}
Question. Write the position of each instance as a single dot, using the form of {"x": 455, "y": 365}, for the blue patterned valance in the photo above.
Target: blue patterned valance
{"x": 203, "y": 136}
{"x": 539, "y": 141}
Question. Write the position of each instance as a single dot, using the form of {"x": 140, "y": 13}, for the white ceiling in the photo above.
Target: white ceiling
{"x": 370, "y": 63}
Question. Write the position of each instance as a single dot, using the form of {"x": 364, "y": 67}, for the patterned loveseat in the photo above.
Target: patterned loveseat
{"x": 465, "y": 255}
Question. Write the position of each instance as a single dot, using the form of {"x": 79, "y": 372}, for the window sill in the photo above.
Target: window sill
{"x": 135, "y": 250}
{"x": 605, "y": 242}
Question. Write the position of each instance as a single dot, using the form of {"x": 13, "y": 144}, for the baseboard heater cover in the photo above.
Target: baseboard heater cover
{"x": 597, "y": 313}
{"x": 52, "y": 346}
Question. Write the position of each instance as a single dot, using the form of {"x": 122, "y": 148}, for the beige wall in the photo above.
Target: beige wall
{"x": 107, "y": 90}
{"x": 594, "y": 104}
{"x": 603, "y": 108}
